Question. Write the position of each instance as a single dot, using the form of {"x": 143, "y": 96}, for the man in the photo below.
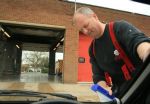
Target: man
{"x": 102, "y": 51}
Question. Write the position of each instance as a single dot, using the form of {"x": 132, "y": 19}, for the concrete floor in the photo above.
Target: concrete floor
{"x": 41, "y": 83}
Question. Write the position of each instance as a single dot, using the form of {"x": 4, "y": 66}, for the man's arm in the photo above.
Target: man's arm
{"x": 98, "y": 74}
{"x": 143, "y": 50}
{"x": 134, "y": 41}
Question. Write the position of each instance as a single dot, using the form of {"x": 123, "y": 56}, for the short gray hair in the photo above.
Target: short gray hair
{"x": 84, "y": 11}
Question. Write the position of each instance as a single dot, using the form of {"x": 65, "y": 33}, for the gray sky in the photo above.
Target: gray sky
{"x": 123, "y": 5}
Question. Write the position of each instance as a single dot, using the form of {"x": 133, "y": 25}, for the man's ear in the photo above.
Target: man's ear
{"x": 95, "y": 16}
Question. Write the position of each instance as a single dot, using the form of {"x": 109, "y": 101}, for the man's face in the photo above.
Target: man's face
{"x": 88, "y": 25}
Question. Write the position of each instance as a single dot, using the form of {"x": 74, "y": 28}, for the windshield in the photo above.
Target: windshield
{"x": 29, "y": 71}
{"x": 44, "y": 57}
{"x": 21, "y": 87}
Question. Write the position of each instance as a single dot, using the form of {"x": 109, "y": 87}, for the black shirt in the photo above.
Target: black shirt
{"x": 128, "y": 37}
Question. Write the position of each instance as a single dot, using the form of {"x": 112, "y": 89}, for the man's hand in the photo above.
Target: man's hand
{"x": 105, "y": 86}
{"x": 143, "y": 50}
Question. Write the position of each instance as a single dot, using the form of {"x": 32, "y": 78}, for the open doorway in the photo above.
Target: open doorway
{"x": 22, "y": 37}
{"x": 35, "y": 66}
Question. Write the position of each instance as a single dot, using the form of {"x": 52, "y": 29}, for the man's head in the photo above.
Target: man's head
{"x": 87, "y": 22}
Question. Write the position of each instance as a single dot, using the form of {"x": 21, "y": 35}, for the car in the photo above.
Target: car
{"x": 138, "y": 92}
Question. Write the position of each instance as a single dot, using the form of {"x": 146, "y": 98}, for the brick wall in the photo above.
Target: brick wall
{"x": 59, "y": 13}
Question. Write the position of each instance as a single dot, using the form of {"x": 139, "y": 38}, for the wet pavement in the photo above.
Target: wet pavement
{"x": 41, "y": 83}
{"x": 39, "y": 77}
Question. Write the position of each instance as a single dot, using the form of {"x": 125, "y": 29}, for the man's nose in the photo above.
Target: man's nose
{"x": 85, "y": 31}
